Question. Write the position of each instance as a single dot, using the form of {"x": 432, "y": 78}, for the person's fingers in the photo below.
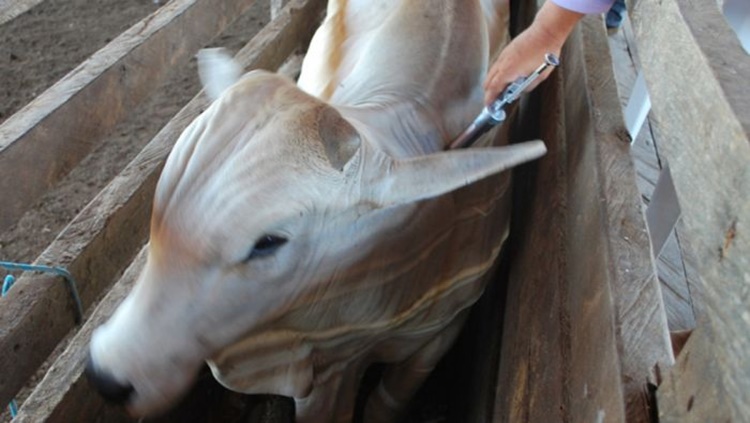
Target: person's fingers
{"x": 497, "y": 84}
{"x": 493, "y": 89}
{"x": 491, "y": 74}
{"x": 497, "y": 79}
{"x": 504, "y": 71}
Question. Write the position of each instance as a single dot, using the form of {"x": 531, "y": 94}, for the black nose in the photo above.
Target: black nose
{"x": 112, "y": 390}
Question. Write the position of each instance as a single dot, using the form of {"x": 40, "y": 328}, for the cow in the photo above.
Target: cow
{"x": 302, "y": 232}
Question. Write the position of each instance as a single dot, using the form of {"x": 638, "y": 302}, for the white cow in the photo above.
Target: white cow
{"x": 302, "y": 232}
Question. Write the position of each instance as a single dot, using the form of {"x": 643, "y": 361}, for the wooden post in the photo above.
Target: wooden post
{"x": 697, "y": 74}
{"x": 585, "y": 324}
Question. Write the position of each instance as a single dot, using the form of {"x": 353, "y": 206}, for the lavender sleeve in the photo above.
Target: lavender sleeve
{"x": 585, "y": 6}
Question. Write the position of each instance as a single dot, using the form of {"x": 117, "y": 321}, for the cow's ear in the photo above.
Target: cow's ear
{"x": 340, "y": 140}
{"x": 217, "y": 71}
{"x": 405, "y": 181}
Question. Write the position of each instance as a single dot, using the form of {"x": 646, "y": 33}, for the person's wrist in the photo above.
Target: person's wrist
{"x": 548, "y": 35}
{"x": 553, "y": 24}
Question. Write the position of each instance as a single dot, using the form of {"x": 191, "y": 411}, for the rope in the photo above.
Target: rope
{"x": 13, "y": 409}
{"x": 59, "y": 271}
{"x": 7, "y": 283}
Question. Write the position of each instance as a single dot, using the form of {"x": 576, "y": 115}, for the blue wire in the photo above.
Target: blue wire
{"x": 10, "y": 280}
{"x": 7, "y": 283}
{"x": 13, "y": 409}
{"x": 54, "y": 270}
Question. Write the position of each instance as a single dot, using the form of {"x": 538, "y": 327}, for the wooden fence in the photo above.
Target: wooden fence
{"x": 697, "y": 74}
{"x": 583, "y": 336}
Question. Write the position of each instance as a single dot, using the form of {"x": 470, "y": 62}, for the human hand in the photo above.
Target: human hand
{"x": 519, "y": 59}
{"x": 525, "y": 53}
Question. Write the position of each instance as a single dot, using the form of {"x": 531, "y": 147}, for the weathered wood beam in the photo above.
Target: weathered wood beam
{"x": 10, "y": 9}
{"x": 642, "y": 328}
{"x": 559, "y": 357}
{"x": 103, "y": 238}
{"x": 41, "y": 143}
{"x": 697, "y": 74}
{"x": 585, "y": 323}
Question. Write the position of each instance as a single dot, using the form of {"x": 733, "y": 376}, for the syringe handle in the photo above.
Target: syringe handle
{"x": 517, "y": 87}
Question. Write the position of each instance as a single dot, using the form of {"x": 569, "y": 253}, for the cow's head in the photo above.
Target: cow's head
{"x": 258, "y": 209}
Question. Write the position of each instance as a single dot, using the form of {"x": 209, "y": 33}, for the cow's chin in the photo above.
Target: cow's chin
{"x": 152, "y": 399}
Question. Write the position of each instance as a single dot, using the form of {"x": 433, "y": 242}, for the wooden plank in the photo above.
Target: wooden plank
{"x": 9, "y": 9}
{"x": 43, "y": 141}
{"x": 585, "y": 324}
{"x": 100, "y": 242}
{"x": 671, "y": 267}
{"x": 643, "y": 334}
{"x": 530, "y": 384}
{"x": 678, "y": 301}
{"x": 559, "y": 359}
{"x": 692, "y": 276}
{"x": 699, "y": 90}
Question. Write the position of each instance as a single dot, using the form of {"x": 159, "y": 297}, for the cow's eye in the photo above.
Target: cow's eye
{"x": 265, "y": 246}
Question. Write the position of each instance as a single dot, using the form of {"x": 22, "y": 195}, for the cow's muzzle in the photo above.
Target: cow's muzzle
{"x": 112, "y": 390}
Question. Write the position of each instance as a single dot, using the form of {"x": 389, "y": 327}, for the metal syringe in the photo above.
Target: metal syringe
{"x": 494, "y": 113}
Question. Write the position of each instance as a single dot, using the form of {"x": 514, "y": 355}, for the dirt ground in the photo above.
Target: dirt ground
{"x": 44, "y": 44}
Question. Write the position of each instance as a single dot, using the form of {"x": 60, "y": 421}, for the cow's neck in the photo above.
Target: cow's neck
{"x": 400, "y": 128}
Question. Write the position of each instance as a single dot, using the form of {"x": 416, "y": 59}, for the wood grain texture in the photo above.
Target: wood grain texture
{"x": 100, "y": 242}
{"x": 559, "y": 360}
{"x": 678, "y": 298}
{"x": 533, "y": 368}
{"x": 585, "y": 324}
{"x": 43, "y": 141}
{"x": 673, "y": 265}
{"x": 704, "y": 109}
{"x": 643, "y": 334}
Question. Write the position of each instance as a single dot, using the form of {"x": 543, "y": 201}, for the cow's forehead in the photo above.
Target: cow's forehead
{"x": 253, "y": 160}
{"x": 274, "y": 118}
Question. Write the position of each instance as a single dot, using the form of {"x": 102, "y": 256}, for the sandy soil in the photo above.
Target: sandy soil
{"x": 41, "y": 46}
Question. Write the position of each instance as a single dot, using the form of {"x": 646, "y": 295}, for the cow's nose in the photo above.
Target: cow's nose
{"x": 112, "y": 390}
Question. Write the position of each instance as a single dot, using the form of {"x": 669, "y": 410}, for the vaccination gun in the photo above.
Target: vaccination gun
{"x": 494, "y": 113}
